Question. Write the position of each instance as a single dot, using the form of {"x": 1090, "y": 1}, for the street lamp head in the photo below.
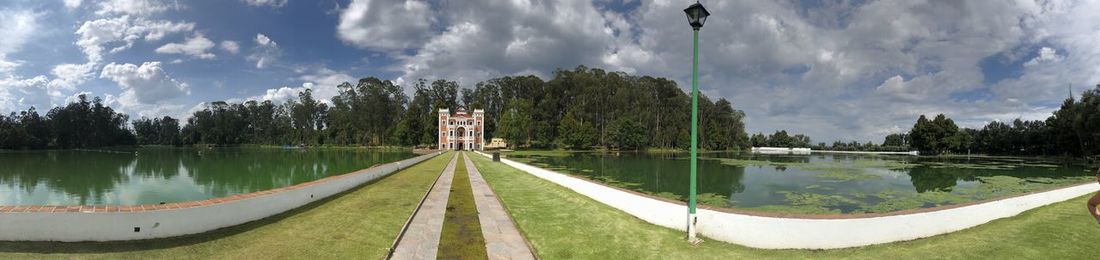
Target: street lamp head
{"x": 697, "y": 15}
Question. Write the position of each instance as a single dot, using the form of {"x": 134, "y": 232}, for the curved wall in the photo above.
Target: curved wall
{"x": 797, "y": 233}
{"x": 110, "y": 223}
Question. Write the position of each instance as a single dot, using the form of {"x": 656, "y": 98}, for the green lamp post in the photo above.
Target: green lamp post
{"x": 696, "y": 15}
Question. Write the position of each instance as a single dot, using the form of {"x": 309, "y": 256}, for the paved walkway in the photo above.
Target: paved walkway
{"x": 421, "y": 239}
{"x": 502, "y": 239}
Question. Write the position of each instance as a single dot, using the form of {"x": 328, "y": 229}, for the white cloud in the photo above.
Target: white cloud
{"x": 265, "y": 52}
{"x": 839, "y": 70}
{"x": 230, "y": 47}
{"x": 145, "y": 84}
{"x": 271, "y": 3}
{"x": 483, "y": 40}
{"x": 72, "y": 4}
{"x": 19, "y": 93}
{"x": 96, "y": 35}
{"x": 68, "y": 76}
{"x": 197, "y": 46}
{"x": 385, "y": 24}
{"x": 18, "y": 27}
{"x": 134, "y": 7}
{"x": 322, "y": 81}
{"x": 897, "y": 87}
{"x": 76, "y": 96}
{"x": 1046, "y": 55}
{"x": 263, "y": 40}
{"x": 281, "y": 95}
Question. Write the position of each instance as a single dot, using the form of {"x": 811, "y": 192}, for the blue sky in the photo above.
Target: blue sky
{"x": 836, "y": 70}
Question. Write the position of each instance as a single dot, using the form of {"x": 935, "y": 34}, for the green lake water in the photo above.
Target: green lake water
{"x": 154, "y": 175}
{"x": 817, "y": 183}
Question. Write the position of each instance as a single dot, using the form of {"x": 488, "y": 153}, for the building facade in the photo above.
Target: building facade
{"x": 461, "y": 130}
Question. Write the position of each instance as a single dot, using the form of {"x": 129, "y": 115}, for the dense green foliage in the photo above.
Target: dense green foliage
{"x": 938, "y": 135}
{"x": 780, "y": 139}
{"x": 159, "y": 131}
{"x": 1072, "y": 130}
{"x": 530, "y": 112}
{"x": 371, "y": 112}
{"x": 578, "y": 109}
{"x": 80, "y": 124}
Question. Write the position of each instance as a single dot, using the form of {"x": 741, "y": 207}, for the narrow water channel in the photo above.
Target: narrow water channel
{"x": 461, "y": 237}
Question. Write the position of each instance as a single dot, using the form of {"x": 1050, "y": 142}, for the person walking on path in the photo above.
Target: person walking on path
{"x": 1095, "y": 200}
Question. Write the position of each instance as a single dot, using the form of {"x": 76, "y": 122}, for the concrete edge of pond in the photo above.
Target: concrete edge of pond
{"x": 117, "y": 223}
{"x": 772, "y": 232}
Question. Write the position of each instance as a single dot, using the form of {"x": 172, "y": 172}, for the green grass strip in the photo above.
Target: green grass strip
{"x": 359, "y": 224}
{"x": 461, "y": 237}
{"x": 562, "y": 224}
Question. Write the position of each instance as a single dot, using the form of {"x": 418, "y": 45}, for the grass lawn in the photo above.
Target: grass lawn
{"x": 461, "y": 236}
{"x": 562, "y": 224}
{"x": 361, "y": 223}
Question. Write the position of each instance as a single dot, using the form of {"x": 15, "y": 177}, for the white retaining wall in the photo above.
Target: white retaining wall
{"x": 915, "y": 153}
{"x": 110, "y": 226}
{"x": 788, "y": 233}
{"x": 780, "y": 150}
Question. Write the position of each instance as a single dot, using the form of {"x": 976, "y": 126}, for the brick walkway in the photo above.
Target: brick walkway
{"x": 502, "y": 239}
{"x": 421, "y": 240}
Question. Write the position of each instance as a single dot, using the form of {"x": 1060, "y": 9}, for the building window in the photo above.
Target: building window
{"x": 452, "y": 134}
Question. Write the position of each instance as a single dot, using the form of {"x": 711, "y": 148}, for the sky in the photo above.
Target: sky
{"x": 834, "y": 70}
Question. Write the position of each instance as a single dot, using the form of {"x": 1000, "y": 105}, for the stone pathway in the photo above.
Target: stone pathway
{"x": 421, "y": 239}
{"x": 502, "y": 239}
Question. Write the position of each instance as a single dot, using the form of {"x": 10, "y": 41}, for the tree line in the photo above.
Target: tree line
{"x": 780, "y": 139}
{"x": 1072, "y": 130}
{"x": 576, "y": 109}
{"x": 79, "y": 124}
{"x": 583, "y": 108}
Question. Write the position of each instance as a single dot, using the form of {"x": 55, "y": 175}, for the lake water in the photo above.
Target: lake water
{"x": 154, "y": 175}
{"x": 817, "y": 183}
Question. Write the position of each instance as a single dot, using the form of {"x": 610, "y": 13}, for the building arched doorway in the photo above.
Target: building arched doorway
{"x": 460, "y": 140}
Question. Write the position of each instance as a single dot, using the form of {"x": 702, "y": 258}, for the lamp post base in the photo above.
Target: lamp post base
{"x": 692, "y": 238}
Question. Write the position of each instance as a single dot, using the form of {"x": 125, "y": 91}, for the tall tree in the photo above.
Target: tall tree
{"x": 515, "y": 124}
{"x": 576, "y": 134}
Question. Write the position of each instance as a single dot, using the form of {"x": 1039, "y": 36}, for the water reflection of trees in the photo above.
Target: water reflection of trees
{"x": 233, "y": 171}
{"x": 928, "y": 178}
{"x": 163, "y": 163}
{"x": 85, "y": 176}
{"x": 653, "y": 173}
